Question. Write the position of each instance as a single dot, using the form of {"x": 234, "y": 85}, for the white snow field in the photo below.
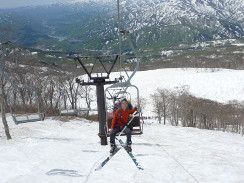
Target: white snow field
{"x": 56, "y": 152}
{"x": 220, "y": 85}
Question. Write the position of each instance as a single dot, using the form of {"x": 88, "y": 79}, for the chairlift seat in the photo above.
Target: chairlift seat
{"x": 136, "y": 124}
{"x": 26, "y": 118}
{"x": 68, "y": 111}
{"x": 93, "y": 109}
{"x": 84, "y": 109}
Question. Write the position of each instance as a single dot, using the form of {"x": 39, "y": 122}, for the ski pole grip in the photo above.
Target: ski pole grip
{"x": 135, "y": 113}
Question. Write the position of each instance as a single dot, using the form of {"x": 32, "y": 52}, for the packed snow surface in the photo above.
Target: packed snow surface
{"x": 57, "y": 152}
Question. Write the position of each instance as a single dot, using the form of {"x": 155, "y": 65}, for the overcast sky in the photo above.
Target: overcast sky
{"x": 19, "y": 3}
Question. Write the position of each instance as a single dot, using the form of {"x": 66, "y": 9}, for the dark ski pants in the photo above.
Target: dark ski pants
{"x": 118, "y": 129}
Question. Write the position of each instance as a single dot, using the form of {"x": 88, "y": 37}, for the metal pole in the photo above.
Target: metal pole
{"x": 119, "y": 28}
{"x": 101, "y": 113}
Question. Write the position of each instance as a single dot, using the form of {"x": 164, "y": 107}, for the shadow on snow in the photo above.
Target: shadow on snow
{"x": 63, "y": 172}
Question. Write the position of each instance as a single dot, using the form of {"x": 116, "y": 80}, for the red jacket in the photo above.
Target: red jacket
{"x": 123, "y": 119}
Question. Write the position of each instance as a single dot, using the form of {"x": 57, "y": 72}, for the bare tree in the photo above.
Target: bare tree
{"x": 89, "y": 96}
{"x": 157, "y": 106}
{"x": 184, "y": 109}
{"x": 3, "y": 110}
{"x": 143, "y": 103}
{"x": 3, "y": 96}
{"x": 164, "y": 97}
{"x": 174, "y": 108}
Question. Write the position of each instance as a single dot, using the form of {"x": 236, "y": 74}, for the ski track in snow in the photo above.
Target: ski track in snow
{"x": 52, "y": 151}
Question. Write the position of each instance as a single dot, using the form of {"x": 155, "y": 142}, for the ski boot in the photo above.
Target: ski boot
{"x": 113, "y": 149}
{"x": 128, "y": 147}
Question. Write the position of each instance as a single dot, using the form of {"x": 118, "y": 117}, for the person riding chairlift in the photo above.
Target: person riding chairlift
{"x": 117, "y": 105}
{"x": 120, "y": 120}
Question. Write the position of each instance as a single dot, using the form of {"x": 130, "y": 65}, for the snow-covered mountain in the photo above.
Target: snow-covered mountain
{"x": 157, "y": 23}
{"x": 175, "y": 12}
{"x": 149, "y": 13}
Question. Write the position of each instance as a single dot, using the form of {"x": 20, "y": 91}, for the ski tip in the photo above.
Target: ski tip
{"x": 98, "y": 169}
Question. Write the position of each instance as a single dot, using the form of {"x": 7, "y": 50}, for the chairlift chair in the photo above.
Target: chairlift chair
{"x": 84, "y": 109}
{"x": 121, "y": 92}
{"x": 67, "y": 112}
{"x": 20, "y": 118}
{"x": 123, "y": 87}
{"x": 64, "y": 111}
{"x": 25, "y": 118}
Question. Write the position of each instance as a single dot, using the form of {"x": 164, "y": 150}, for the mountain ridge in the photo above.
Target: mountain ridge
{"x": 157, "y": 24}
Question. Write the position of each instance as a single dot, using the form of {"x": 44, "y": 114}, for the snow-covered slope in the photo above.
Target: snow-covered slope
{"x": 220, "y": 85}
{"x": 56, "y": 152}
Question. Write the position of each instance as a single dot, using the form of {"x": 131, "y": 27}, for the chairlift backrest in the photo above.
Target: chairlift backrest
{"x": 136, "y": 124}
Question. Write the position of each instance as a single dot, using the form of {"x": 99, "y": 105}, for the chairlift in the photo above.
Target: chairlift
{"x": 65, "y": 109}
{"x": 14, "y": 101}
{"x": 121, "y": 92}
{"x": 84, "y": 109}
{"x": 17, "y": 116}
{"x": 68, "y": 112}
{"x": 123, "y": 86}
{"x": 122, "y": 89}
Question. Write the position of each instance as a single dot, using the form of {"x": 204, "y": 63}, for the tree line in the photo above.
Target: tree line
{"x": 181, "y": 108}
{"x": 52, "y": 88}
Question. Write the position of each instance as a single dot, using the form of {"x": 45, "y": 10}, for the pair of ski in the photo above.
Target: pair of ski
{"x": 122, "y": 144}
{"x": 115, "y": 152}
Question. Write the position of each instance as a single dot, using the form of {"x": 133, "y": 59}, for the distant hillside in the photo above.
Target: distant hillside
{"x": 159, "y": 26}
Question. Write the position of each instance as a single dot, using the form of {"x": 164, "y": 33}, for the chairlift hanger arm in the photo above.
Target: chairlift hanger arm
{"x": 126, "y": 33}
{"x": 110, "y": 94}
{"x": 126, "y": 73}
{"x": 127, "y": 83}
{"x": 5, "y": 76}
{"x": 138, "y": 60}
